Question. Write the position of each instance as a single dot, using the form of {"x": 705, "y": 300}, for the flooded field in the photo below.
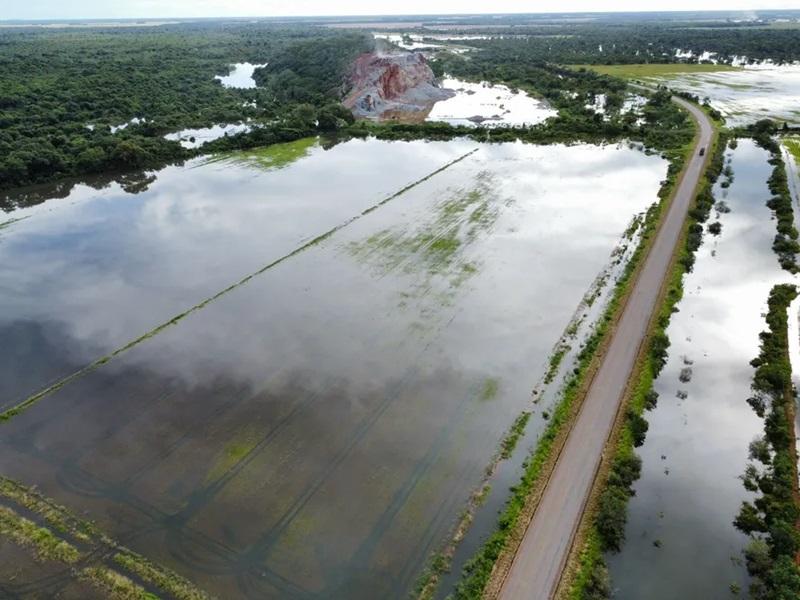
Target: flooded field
{"x": 680, "y": 540}
{"x": 315, "y": 429}
{"x": 487, "y": 104}
{"x": 744, "y": 96}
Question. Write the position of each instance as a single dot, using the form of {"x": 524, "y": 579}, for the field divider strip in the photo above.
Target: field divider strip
{"x": 13, "y": 411}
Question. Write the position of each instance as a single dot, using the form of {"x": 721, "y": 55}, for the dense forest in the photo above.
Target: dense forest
{"x": 62, "y": 91}
{"x": 624, "y": 43}
{"x": 65, "y": 93}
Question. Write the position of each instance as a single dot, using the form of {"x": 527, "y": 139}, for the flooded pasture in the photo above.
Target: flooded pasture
{"x": 315, "y": 430}
{"x": 487, "y": 104}
{"x": 680, "y": 538}
{"x": 747, "y": 95}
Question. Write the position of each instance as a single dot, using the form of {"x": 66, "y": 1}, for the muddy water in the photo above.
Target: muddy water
{"x": 696, "y": 448}
{"x": 316, "y": 431}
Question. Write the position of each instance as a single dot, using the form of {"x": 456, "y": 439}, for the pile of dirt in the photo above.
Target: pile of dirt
{"x": 393, "y": 85}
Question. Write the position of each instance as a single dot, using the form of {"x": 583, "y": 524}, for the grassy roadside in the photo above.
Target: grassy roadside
{"x": 603, "y": 524}
{"x": 484, "y": 573}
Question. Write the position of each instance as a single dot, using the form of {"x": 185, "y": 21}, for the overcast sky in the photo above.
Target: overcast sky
{"x": 80, "y": 9}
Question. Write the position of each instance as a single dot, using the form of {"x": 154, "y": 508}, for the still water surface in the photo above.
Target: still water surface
{"x": 316, "y": 431}
{"x": 696, "y": 448}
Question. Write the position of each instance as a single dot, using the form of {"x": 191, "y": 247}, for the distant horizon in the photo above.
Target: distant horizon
{"x": 100, "y": 10}
{"x": 401, "y": 15}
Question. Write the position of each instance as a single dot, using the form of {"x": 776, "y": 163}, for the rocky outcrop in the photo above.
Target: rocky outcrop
{"x": 393, "y": 85}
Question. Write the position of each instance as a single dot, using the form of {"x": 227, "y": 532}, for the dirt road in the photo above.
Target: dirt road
{"x": 537, "y": 567}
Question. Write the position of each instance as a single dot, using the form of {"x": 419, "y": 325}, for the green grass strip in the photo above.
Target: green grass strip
{"x": 31, "y": 400}
{"x": 636, "y": 71}
{"x": 115, "y": 585}
{"x": 26, "y": 533}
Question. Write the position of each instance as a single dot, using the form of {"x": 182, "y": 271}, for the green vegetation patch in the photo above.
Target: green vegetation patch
{"x": 644, "y": 71}
{"x": 170, "y": 582}
{"x": 41, "y": 540}
{"x": 516, "y": 431}
{"x": 793, "y": 146}
{"x": 786, "y": 243}
{"x": 48, "y": 544}
{"x": 772, "y": 518}
{"x": 436, "y": 247}
{"x": 116, "y": 585}
{"x": 270, "y": 158}
{"x": 561, "y": 351}
{"x": 235, "y": 450}
{"x": 490, "y": 388}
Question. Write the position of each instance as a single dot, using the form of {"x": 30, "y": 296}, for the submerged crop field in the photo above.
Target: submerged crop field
{"x": 297, "y": 382}
{"x": 742, "y": 95}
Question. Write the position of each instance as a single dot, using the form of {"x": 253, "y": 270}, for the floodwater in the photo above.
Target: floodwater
{"x": 83, "y": 275}
{"x": 680, "y": 540}
{"x": 745, "y": 96}
{"x": 316, "y": 430}
{"x": 194, "y": 138}
{"x": 240, "y": 76}
{"x": 487, "y": 104}
{"x": 409, "y": 42}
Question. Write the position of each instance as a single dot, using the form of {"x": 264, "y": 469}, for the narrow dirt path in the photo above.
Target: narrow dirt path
{"x": 540, "y": 559}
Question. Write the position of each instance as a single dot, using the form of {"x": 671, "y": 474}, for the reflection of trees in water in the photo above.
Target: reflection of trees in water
{"x": 133, "y": 182}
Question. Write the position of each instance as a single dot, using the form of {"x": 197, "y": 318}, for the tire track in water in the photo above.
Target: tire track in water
{"x": 74, "y": 479}
{"x": 258, "y": 551}
{"x": 441, "y": 525}
{"x": 402, "y": 495}
{"x": 14, "y": 410}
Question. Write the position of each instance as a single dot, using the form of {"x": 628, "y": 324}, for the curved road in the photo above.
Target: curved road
{"x": 540, "y": 559}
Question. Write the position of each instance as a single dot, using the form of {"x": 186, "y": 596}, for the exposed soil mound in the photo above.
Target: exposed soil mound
{"x": 393, "y": 85}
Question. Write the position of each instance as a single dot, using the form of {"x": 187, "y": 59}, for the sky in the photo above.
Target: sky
{"x": 82, "y": 9}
